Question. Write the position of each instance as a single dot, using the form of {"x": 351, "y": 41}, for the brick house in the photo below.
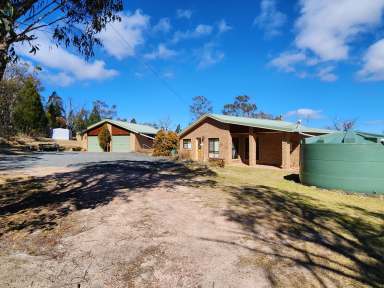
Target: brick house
{"x": 245, "y": 140}
{"x": 126, "y": 137}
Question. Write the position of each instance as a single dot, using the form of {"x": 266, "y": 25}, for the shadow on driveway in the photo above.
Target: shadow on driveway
{"x": 18, "y": 161}
{"x": 39, "y": 203}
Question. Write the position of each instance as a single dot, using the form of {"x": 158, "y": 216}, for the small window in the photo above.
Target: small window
{"x": 213, "y": 147}
{"x": 235, "y": 148}
{"x": 187, "y": 144}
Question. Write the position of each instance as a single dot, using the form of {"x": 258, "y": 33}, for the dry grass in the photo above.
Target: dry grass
{"x": 21, "y": 143}
{"x": 339, "y": 201}
{"x": 306, "y": 236}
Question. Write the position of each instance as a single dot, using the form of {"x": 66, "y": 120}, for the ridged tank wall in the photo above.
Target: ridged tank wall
{"x": 350, "y": 161}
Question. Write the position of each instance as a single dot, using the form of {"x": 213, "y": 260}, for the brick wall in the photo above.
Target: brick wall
{"x": 209, "y": 128}
{"x": 276, "y": 148}
{"x": 270, "y": 148}
{"x": 143, "y": 144}
{"x": 295, "y": 150}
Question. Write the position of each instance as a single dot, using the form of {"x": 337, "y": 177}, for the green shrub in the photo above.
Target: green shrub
{"x": 104, "y": 138}
{"x": 164, "y": 143}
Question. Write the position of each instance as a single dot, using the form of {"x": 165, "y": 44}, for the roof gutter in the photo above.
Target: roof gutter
{"x": 306, "y": 134}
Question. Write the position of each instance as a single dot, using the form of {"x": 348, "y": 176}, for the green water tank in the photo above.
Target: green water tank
{"x": 350, "y": 161}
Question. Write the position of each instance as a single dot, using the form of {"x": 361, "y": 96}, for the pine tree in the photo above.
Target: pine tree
{"x": 133, "y": 120}
{"x": 178, "y": 129}
{"x": 55, "y": 111}
{"x": 29, "y": 115}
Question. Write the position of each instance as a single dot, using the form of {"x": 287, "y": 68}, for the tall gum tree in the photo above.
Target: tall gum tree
{"x": 73, "y": 23}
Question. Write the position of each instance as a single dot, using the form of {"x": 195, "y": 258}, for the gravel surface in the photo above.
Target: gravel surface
{"x": 65, "y": 159}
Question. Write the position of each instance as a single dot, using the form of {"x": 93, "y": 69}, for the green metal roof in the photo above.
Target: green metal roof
{"x": 349, "y": 137}
{"x": 276, "y": 125}
{"x": 136, "y": 128}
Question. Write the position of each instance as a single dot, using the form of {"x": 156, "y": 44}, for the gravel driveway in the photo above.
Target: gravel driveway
{"x": 64, "y": 159}
{"x": 116, "y": 220}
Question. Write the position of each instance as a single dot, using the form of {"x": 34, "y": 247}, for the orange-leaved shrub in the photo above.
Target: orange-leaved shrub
{"x": 164, "y": 143}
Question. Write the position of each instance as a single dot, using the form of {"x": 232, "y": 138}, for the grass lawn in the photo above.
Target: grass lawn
{"x": 336, "y": 237}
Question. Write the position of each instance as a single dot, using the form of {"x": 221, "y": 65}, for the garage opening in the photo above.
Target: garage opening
{"x": 121, "y": 140}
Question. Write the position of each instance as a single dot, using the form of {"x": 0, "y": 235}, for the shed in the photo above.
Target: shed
{"x": 60, "y": 134}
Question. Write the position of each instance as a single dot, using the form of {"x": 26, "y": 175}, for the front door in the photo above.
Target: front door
{"x": 199, "y": 144}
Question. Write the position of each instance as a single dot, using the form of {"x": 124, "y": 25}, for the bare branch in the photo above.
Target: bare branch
{"x": 31, "y": 26}
{"x": 40, "y": 11}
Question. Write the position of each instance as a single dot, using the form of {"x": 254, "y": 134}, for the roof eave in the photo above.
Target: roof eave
{"x": 110, "y": 121}
{"x": 288, "y": 130}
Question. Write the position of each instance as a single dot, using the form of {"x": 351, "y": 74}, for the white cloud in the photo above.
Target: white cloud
{"x": 373, "y": 68}
{"x": 60, "y": 79}
{"x": 209, "y": 56}
{"x": 162, "y": 52}
{"x": 327, "y": 27}
{"x": 200, "y": 31}
{"x": 305, "y": 113}
{"x": 187, "y": 14}
{"x": 326, "y": 74}
{"x": 163, "y": 26}
{"x": 286, "y": 61}
{"x": 302, "y": 66}
{"x": 223, "y": 26}
{"x": 270, "y": 19}
{"x": 72, "y": 66}
{"x": 120, "y": 39}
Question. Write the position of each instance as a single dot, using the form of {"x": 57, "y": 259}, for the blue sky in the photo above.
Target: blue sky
{"x": 315, "y": 60}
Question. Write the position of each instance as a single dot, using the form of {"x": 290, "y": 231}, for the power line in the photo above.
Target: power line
{"x": 152, "y": 69}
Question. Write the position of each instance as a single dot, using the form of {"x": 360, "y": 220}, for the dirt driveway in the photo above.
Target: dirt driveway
{"x": 126, "y": 223}
{"x": 137, "y": 221}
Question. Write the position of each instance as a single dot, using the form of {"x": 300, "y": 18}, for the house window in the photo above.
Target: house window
{"x": 235, "y": 148}
{"x": 187, "y": 144}
{"x": 213, "y": 147}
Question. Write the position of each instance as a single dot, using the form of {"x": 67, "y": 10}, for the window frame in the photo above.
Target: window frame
{"x": 189, "y": 144}
{"x": 213, "y": 153}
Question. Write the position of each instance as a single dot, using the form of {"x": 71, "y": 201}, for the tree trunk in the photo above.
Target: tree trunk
{"x": 3, "y": 58}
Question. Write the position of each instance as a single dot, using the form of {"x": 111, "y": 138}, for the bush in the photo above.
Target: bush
{"x": 217, "y": 162}
{"x": 164, "y": 143}
{"x": 104, "y": 138}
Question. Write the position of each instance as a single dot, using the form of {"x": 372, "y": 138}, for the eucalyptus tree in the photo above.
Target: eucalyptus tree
{"x": 73, "y": 23}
